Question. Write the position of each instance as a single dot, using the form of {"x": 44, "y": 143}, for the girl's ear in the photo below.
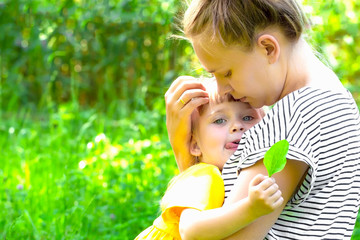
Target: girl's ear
{"x": 271, "y": 47}
{"x": 194, "y": 147}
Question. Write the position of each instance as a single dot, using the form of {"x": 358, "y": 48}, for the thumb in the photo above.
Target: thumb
{"x": 257, "y": 179}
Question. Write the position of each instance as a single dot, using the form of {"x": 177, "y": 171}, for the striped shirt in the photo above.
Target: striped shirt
{"x": 323, "y": 130}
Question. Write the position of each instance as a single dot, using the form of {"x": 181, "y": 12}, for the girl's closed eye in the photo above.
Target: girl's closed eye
{"x": 228, "y": 74}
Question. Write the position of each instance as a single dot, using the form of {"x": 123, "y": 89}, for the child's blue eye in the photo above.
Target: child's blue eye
{"x": 219, "y": 121}
{"x": 248, "y": 118}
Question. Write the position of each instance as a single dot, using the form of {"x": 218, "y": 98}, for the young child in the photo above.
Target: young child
{"x": 257, "y": 54}
{"x": 191, "y": 204}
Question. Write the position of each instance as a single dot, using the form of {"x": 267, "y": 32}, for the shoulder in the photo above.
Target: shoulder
{"x": 197, "y": 173}
{"x": 309, "y": 101}
{"x": 201, "y": 169}
{"x": 314, "y": 94}
{"x": 194, "y": 187}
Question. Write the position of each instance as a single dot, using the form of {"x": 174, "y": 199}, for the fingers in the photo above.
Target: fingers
{"x": 184, "y": 90}
{"x": 180, "y": 82}
{"x": 263, "y": 182}
{"x": 274, "y": 195}
{"x": 257, "y": 179}
{"x": 266, "y": 190}
{"x": 194, "y": 97}
{"x": 276, "y": 199}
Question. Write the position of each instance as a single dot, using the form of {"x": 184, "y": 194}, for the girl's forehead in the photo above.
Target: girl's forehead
{"x": 209, "y": 57}
{"x": 206, "y": 46}
{"x": 212, "y": 44}
{"x": 213, "y": 55}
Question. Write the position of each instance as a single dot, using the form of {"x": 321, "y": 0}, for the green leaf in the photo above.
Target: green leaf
{"x": 275, "y": 157}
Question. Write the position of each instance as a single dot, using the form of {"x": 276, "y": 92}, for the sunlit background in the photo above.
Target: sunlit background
{"x": 84, "y": 148}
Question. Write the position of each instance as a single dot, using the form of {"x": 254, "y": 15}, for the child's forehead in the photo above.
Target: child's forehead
{"x": 227, "y": 105}
{"x": 215, "y": 99}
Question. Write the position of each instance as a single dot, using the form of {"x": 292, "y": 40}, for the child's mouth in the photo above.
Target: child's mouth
{"x": 232, "y": 145}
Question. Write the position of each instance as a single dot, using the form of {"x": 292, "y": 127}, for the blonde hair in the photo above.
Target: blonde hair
{"x": 214, "y": 97}
{"x": 236, "y": 22}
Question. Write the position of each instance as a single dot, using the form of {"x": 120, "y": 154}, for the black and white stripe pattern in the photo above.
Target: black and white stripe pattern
{"x": 323, "y": 129}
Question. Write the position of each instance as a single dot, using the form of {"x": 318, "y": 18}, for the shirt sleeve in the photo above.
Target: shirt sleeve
{"x": 284, "y": 121}
{"x": 199, "y": 187}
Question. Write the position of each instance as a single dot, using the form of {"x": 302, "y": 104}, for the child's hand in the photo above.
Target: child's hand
{"x": 264, "y": 195}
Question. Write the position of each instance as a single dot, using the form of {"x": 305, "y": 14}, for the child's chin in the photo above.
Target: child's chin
{"x": 230, "y": 152}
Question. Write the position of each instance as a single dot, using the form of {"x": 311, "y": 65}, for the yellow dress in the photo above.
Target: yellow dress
{"x": 199, "y": 187}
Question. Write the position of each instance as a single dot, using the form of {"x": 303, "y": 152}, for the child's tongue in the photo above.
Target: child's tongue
{"x": 231, "y": 145}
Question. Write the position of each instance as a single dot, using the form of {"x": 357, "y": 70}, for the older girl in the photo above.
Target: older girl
{"x": 256, "y": 52}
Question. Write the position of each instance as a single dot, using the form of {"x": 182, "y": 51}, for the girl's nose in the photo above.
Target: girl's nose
{"x": 237, "y": 127}
{"x": 223, "y": 88}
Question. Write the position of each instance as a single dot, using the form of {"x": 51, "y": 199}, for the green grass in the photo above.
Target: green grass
{"x": 70, "y": 174}
{"x": 81, "y": 175}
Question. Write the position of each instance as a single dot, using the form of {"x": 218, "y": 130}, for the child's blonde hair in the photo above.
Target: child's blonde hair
{"x": 214, "y": 97}
{"x": 236, "y": 22}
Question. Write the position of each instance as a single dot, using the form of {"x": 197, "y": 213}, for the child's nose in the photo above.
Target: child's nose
{"x": 237, "y": 127}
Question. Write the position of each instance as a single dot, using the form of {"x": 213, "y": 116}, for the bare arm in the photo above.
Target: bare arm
{"x": 264, "y": 197}
{"x": 184, "y": 95}
{"x": 288, "y": 180}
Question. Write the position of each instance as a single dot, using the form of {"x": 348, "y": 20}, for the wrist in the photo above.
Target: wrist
{"x": 252, "y": 209}
{"x": 184, "y": 160}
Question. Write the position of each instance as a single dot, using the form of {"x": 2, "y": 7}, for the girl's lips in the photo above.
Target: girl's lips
{"x": 243, "y": 99}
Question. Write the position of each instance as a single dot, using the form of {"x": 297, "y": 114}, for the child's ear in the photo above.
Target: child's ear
{"x": 194, "y": 147}
{"x": 271, "y": 47}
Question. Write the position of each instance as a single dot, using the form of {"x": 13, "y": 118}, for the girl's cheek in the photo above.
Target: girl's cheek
{"x": 250, "y": 125}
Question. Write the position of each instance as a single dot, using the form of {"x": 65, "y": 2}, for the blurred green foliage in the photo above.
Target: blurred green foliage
{"x": 105, "y": 53}
{"x": 335, "y": 35}
{"x": 118, "y": 54}
{"x": 83, "y": 139}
